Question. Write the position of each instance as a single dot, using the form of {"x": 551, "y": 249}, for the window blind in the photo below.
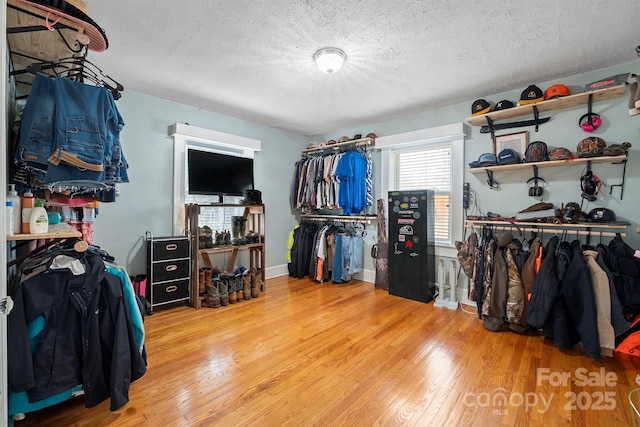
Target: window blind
{"x": 431, "y": 169}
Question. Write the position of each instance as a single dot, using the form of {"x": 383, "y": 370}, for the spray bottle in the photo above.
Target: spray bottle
{"x": 12, "y": 196}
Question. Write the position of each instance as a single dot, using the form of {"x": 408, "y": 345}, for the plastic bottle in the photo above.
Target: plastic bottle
{"x": 9, "y": 218}
{"x": 27, "y": 205}
{"x": 39, "y": 220}
{"x": 16, "y": 204}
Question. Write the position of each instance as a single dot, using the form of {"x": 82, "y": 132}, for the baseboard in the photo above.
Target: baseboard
{"x": 276, "y": 271}
{"x": 283, "y": 270}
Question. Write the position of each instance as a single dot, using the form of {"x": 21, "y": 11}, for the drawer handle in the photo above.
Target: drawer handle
{"x": 171, "y": 267}
{"x": 171, "y": 247}
{"x": 172, "y": 288}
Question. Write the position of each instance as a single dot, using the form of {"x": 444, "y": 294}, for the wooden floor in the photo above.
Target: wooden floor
{"x": 305, "y": 354}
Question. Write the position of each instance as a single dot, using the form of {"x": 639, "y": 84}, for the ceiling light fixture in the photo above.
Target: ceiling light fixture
{"x": 329, "y": 59}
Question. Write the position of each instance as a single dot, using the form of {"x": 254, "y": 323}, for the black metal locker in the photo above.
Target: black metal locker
{"x": 411, "y": 244}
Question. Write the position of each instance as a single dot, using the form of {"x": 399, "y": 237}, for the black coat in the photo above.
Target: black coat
{"x": 545, "y": 287}
{"x": 87, "y": 337}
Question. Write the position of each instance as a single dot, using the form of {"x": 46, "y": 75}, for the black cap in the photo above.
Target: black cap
{"x": 531, "y": 95}
{"x": 480, "y": 106}
{"x": 503, "y": 105}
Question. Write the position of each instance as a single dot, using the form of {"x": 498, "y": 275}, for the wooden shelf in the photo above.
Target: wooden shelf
{"x": 551, "y": 104}
{"x": 56, "y": 231}
{"x": 231, "y": 248}
{"x": 551, "y": 163}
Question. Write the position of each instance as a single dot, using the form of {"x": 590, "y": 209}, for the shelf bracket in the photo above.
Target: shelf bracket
{"x": 491, "y": 127}
{"x": 621, "y": 185}
{"x": 493, "y": 184}
{"x": 536, "y": 117}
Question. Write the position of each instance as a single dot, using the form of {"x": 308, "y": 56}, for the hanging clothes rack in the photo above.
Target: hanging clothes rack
{"x": 354, "y": 143}
{"x": 364, "y": 219}
{"x": 580, "y": 229}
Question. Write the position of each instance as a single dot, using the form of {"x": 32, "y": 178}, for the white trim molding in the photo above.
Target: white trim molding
{"x": 185, "y": 135}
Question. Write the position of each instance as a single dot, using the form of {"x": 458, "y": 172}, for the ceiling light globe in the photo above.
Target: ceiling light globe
{"x": 329, "y": 59}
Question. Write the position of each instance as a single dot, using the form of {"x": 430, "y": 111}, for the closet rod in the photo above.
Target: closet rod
{"x": 555, "y": 230}
{"x": 344, "y": 218}
{"x": 355, "y": 143}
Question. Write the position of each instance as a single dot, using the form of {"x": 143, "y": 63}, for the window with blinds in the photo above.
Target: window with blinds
{"x": 219, "y": 219}
{"x": 427, "y": 168}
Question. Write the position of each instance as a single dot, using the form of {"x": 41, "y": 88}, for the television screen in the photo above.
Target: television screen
{"x": 211, "y": 173}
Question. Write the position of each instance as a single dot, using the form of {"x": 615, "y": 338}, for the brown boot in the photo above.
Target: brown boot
{"x": 231, "y": 284}
{"x": 256, "y": 282}
{"x": 207, "y": 276}
{"x": 223, "y": 291}
{"x": 213, "y": 294}
{"x": 246, "y": 285}
{"x": 201, "y": 282}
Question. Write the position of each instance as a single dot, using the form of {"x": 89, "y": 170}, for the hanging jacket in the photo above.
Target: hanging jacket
{"x": 545, "y": 288}
{"x": 528, "y": 275}
{"x": 84, "y": 314}
{"x": 580, "y": 301}
{"x": 496, "y": 314}
{"x": 618, "y": 321}
{"x": 515, "y": 291}
{"x": 487, "y": 278}
{"x": 600, "y": 284}
{"x": 626, "y": 272}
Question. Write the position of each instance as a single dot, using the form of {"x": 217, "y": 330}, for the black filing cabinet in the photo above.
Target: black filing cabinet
{"x": 168, "y": 268}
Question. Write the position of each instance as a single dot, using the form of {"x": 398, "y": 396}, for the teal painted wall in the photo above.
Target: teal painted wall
{"x": 144, "y": 204}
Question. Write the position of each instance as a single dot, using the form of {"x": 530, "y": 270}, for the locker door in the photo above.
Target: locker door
{"x": 411, "y": 274}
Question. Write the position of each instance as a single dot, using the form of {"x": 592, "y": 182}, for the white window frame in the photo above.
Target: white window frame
{"x": 453, "y": 135}
{"x": 185, "y": 136}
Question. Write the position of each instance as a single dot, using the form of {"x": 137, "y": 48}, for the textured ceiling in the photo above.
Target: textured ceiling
{"x": 254, "y": 59}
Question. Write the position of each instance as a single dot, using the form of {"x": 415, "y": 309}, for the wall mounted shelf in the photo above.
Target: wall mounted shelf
{"x": 548, "y": 105}
{"x": 583, "y": 228}
{"x": 551, "y": 163}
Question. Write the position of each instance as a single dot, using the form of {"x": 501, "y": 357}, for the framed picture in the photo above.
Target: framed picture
{"x": 516, "y": 141}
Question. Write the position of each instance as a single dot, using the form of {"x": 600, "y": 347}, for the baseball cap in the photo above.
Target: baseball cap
{"x": 508, "y": 156}
{"x": 560, "y": 153}
{"x": 487, "y": 159}
{"x": 503, "y": 105}
{"x": 531, "y": 95}
{"x": 480, "y": 106}
{"x": 556, "y": 91}
{"x": 536, "y": 152}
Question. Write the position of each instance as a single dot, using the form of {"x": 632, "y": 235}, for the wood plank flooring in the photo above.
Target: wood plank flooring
{"x": 307, "y": 354}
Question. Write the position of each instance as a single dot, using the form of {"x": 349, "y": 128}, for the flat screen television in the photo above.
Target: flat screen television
{"x": 216, "y": 174}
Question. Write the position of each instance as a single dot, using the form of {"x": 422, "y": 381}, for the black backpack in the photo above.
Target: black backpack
{"x": 625, "y": 268}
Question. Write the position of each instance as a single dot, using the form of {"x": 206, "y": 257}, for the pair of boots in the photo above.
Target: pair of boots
{"x": 634, "y": 96}
{"x": 204, "y": 278}
{"x": 205, "y": 237}
{"x": 256, "y": 282}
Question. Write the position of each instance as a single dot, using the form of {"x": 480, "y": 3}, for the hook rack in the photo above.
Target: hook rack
{"x": 555, "y": 228}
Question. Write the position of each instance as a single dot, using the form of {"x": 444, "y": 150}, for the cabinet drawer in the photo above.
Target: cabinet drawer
{"x": 170, "y": 249}
{"x": 170, "y": 270}
{"x": 170, "y": 291}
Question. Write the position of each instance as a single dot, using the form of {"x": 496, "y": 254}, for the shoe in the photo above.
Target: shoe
{"x": 633, "y": 91}
{"x": 256, "y": 282}
{"x": 246, "y": 285}
{"x": 208, "y": 274}
{"x": 213, "y": 295}
{"x": 208, "y": 237}
{"x": 231, "y": 287}
{"x": 201, "y": 281}
{"x": 223, "y": 289}
{"x": 227, "y": 238}
{"x": 201, "y": 238}
{"x": 239, "y": 287}
{"x": 219, "y": 238}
